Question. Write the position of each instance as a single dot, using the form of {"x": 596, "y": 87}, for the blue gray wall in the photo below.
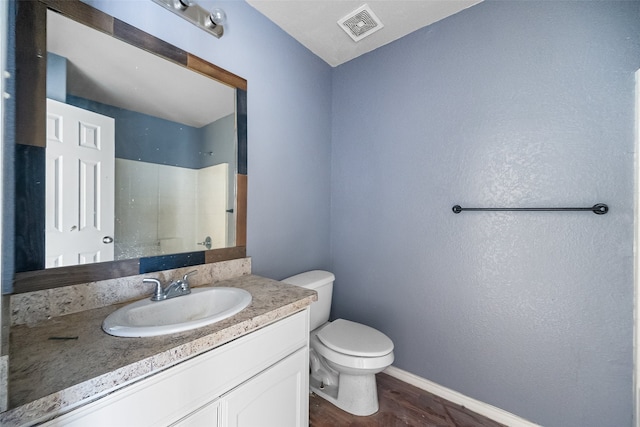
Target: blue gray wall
{"x": 504, "y": 104}
{"x": 211, "y": 153}
{"x": 289, "y": 127}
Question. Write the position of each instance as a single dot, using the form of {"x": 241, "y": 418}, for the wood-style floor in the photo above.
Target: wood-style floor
{"x": 401, "y": 404}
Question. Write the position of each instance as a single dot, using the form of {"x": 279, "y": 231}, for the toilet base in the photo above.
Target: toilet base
{"x": 355, "y": 394}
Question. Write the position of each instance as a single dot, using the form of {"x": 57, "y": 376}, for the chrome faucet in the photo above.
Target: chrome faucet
{"x": 175, "y": 289}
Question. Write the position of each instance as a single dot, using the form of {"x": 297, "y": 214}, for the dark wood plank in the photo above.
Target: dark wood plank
{"x": 208, "y": 69}
{"x": 31, "y": 72}
{"x": 171, "y": 261}
{"x": 225, "y": 254}
{"x": 83, "y": 13}
{"x": 241, "y": 120}
{"x": 146, "y": 41}
{"x": 241, "y": 210}
{"x": 401, "y": 404}
{"x": 29, "y": 208}
{"x": 64, "y": 276}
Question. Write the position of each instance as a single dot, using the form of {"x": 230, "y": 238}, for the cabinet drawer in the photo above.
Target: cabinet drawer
{"x": 171, "y": 394}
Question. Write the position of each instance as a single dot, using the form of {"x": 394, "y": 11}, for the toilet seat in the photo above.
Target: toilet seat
{"x": 355, "y": 339}
{"x": 350, "y": 361}
{"x": 353, "y": 345}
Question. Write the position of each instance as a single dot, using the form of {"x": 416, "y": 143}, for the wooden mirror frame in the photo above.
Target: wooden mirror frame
{"x": 31, "y": 70}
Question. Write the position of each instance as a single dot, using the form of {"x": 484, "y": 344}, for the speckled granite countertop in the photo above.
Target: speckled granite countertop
{"x": 47, "y": 376}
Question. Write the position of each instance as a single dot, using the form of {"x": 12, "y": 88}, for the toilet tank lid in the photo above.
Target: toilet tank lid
{"x": 311, "y": 279}
{"x": 355, "y": 339}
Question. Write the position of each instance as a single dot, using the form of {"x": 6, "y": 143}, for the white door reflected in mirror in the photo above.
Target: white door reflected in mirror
{"x": 79, "y": 185}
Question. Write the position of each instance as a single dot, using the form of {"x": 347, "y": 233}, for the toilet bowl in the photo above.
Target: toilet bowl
{"x": 344, "y": 355}
{"x": 352, "y": 381}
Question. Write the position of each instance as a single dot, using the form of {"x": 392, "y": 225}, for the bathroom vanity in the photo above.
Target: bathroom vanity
{"x": 254, "y": 380}
{"x": 250, "y": 369}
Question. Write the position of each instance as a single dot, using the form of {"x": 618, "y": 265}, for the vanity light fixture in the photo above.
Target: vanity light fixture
{"x": 210, "y": 21}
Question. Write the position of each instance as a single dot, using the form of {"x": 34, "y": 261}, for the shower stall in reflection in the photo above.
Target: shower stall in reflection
{"x": 169, "y": 209}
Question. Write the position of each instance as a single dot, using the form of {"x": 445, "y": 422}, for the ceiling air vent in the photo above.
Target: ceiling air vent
{"x": 360, "y": 23}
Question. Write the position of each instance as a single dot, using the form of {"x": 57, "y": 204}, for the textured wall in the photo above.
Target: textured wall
{"x": 504, "y": 104}
{"x": 289, "y": 127}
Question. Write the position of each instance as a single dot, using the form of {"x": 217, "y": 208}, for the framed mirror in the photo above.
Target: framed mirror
{"x": 130, "y": 155}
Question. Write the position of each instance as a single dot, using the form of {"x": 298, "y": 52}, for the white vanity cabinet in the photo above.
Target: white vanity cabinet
{"x": 258, "y": 380}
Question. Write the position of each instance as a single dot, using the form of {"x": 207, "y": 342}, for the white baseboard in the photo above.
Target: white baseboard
{"x": 496, "y": 414}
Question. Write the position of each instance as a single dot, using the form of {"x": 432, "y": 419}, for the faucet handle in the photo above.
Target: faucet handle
{"x": 185, "y": 278}
{"x": 158, "y": 293}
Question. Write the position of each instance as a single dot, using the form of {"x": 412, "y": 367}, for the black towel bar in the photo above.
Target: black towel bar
{"x": 599, "y": 209}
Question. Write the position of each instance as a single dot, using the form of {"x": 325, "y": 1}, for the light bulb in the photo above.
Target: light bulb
{"x": 217, "y": 17}
{"x": 183, "y": 4}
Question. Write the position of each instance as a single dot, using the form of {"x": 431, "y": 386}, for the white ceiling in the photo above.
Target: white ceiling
{"x": 314, "y": 22}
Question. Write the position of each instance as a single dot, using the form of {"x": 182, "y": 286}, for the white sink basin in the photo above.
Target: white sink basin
{"x": 202, "y": 307}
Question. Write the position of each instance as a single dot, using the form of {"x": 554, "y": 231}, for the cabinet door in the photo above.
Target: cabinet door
{"x": 278, "y": 397}
{"x": 208, "y": 416}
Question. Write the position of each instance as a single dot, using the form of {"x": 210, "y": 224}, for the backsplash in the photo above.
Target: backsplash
{"x": 34, "y": 307}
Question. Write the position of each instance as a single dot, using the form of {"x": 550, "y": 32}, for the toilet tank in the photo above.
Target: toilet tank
{"x": 321, "y": 282}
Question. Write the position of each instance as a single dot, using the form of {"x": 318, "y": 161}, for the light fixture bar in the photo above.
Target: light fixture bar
{"x": 193, "y": 13}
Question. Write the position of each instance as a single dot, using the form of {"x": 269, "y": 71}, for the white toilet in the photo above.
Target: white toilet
{"x": 344, "y": 355}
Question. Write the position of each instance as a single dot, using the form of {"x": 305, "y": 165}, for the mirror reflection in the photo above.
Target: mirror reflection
{"x": 141, "y": 152}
